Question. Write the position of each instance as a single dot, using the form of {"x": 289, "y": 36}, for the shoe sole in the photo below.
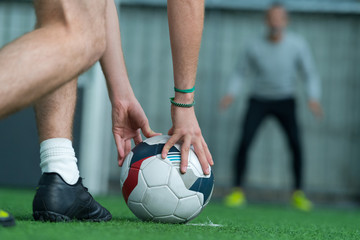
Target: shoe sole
{"x": 48, "y": 216}
{"x": 10, "y": 223}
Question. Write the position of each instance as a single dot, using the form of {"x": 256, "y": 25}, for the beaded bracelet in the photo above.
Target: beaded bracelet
{"x": 190, "y": 90}
{"x": 183, "y": 105}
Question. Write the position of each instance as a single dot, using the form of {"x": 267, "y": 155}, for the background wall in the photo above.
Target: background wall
{"x": 19, "y": 147}
{"x": 332, "y": 145}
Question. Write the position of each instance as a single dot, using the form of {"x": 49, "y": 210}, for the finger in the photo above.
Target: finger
{"x": 147, "y": 131}
{"x": 137, "y": 138}
{"x": 171, "y": 142}
{"x": 185, "y": 148}
{"x": 171, "y": 131}
{"x": 201, "y": 156}
{"x": 127, "y": 147}
{"x": 207, "y": 153}
{"x": 120, "y": 148}
{"x": 120, "y": 162}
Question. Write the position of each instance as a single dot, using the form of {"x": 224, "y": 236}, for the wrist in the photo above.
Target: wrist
{"x": 122, "y": 100}
{"x": 185, "y": 98}
{"x": 120, "y": 93}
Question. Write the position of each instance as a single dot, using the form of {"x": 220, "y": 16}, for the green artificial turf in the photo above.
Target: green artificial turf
{"x": 252, "y": 222}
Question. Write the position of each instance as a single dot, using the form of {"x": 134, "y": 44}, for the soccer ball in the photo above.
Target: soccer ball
{"x": 155, "y": 190}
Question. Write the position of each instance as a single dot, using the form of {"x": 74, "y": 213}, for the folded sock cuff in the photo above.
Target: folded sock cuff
{"x": 55, "y": 142}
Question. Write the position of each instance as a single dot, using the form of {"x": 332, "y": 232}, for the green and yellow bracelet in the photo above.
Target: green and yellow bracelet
{"x": 190, "y": 90}
{"x": 183, "y": 105}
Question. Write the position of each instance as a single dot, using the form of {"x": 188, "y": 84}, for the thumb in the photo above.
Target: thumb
{"x": 147, "y": 131}
{"x": 171, "y": 131}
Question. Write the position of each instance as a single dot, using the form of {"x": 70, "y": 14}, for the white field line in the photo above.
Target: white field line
{"x": 208, "y": 224}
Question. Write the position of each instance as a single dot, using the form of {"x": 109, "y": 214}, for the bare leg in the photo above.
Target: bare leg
{"x": 55, "y": 112}
{"x": 70, "y": 38}
{"x": 61, "y": 195}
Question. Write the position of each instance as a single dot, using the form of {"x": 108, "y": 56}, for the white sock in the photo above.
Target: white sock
{"x": 57, "y": 155}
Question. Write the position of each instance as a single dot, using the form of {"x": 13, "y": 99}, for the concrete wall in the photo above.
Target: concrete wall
{"x": 19, "y": 148}
{"x": 332, "y": 145}
{"x": 332, "y": 152}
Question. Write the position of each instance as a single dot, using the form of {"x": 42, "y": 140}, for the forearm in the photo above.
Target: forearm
{"x": 112, "y": 62}
{"x": 186, "y": 19}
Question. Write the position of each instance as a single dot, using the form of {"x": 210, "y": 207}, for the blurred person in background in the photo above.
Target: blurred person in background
{"x": 274, "y": 61}
{"x": 42, "y": 67}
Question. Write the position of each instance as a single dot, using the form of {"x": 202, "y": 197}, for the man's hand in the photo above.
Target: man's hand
{"x": 128, "y": 118}
{"x": 315, "y": 108}
{"x": 226, "y": 101}
{"x": 186, "y": 20}
{"x": 186, "y": 130}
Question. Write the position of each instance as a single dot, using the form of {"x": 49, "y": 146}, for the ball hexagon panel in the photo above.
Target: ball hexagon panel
{"x": 200, "y": 197}
{"x": 154, "y": 188}
{"x": 124, "y": 170}
{"x": 138, "y": 193}
{"x": 156, "y": 173}
{"x": 189, "y": 178}
{"x": 195, "y": 164}
{"x": 157, "y": 139}
{"x": 123, "y": 175}
{"x": 187, "y": 207}
{"x": 169, "y": 219}
{"x": 146, "y": 162}
{"x": 167, "y": 161}
{"x": 194, "y": 215}
{"x": 204, "y": 185}
{"x": 128, "y": 160}
{"x": 160, "y": 201}
{"x": 176, "y": 185}
{"x": 139, "y": 211}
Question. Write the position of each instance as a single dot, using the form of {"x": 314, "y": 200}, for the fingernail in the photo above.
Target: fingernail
{"x": 163, "y": 156}
{"x": 183, "y": 169}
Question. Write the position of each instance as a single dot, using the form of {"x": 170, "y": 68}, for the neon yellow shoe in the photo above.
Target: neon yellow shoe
{"x": 6, "y": 219}
{"x": 299, "y": 201}
{"x": 236, "y": 198}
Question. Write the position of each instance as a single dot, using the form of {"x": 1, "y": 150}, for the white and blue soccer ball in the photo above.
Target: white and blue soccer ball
{"x": 155, "y": 190}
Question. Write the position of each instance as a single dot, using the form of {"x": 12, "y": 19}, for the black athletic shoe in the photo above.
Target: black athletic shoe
{"x": 6, "y": 220}
{"x": 57, "y": 201}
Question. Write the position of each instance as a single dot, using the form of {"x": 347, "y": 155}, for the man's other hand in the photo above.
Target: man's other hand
{"x": 315, "y": 108}
{"x": 128, "y": 118}
{"x": 225, "y": 102}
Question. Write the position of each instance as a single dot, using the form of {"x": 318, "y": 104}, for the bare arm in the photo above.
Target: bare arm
{"x": 112, "y": 62}
{"x": 186, "y": 18}
{"x": 127, "y": 115}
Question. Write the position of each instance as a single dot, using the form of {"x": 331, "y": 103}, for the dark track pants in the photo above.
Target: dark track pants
{"x": 284, "y": 111}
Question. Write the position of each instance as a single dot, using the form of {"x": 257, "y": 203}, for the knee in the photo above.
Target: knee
{"x": 90, "y": 40}
{"x": 82, "y": 29}
{"x": 93, "y": 44}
